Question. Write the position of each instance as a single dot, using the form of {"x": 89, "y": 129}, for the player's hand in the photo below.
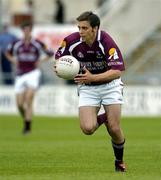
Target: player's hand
{"x": 15, "y": 62}
{"x": 85, "y": 78}
{"x": 38, "y": 63}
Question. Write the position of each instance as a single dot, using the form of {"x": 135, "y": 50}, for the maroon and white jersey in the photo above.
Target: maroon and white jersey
{"x": 27, "y": 55}
{"x": 103, "y": 55}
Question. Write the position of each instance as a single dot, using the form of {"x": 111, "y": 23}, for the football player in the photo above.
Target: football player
{"x": 25, "y": 54}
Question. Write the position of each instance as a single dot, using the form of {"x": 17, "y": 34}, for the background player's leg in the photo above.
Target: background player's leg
{"x": 29, "y": 96}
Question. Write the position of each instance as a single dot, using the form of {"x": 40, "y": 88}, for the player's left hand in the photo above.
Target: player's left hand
{"x": 85, "y": 78}
{"x": 38, "y": 63}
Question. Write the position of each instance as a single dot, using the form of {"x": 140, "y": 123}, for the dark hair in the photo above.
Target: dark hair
{"x": 89, "y": 16}
{"x": 26, "y": 24}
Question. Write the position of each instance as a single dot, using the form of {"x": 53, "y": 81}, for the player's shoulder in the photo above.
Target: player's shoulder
{"x": 16, "y": 42}
{"x": 37, "y": 43}
{"x": 35, "y": 40}
{"x": 105, "y": 36}
{"x": 72, "y": 38}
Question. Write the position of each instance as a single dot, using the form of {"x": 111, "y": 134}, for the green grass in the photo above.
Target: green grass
{"x": 58, "y": 150}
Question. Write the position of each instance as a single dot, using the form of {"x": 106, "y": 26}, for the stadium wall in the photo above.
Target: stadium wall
{"x": 63, "y": 101}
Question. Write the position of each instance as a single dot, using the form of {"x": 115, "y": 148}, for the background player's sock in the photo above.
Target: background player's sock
{"x": 27, "y": 126}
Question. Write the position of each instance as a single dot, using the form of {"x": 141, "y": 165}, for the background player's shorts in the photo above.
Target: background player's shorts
{"x": 105, "y": 94}
{"x": 28, "y": 80}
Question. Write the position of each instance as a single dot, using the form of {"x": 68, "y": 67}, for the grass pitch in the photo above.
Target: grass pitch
{"x": 58, "y": 150}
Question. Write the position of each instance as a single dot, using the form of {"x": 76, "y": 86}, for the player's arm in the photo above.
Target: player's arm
{"x": 9, "y": 54}
{"x": 62, "y": 51}
{"x": 48, "y": 53}
{"x": 88, "y": 77}
{"x": 107, "y": 76}
{"x": 11, "y": 58}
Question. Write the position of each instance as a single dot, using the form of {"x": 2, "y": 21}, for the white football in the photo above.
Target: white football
{"x": 67, "y": 67}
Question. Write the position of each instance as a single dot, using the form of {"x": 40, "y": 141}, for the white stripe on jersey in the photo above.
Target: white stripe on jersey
{"x": 16, "y": 46}
{"x": 73, "y": 46}
{"x": 99, "y": 35}
{"x": 100, "y": 44}
{"x": 62, "y": 50}
{"x": 37, "y": 45}
{"x": 77, "y": 43}
{"x": 101, "y": 47}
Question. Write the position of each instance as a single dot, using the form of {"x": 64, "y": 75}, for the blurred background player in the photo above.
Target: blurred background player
{"x": 25, "y": 54}
{"x": 6, "y": 37}
{"x": 100, "y": 82}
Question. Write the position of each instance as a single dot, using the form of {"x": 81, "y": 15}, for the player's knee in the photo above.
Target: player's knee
{"x": 114, "y": 129}
{"x": 19, "y": 105}
{"x": 87, "y": 130}
{"x": 29, "y": 102}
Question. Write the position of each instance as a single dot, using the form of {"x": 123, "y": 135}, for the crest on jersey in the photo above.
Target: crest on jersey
{"x": 99, "y": 55}
{"x": 113, "y": 54}
{"x": 80, "y": 55}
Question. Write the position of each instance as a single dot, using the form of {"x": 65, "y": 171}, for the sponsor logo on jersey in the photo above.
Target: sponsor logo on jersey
{"x": 115, "y": 63}
{"x": 113, "y": 55}
{"x": 90, "y": 52}
{"x": 63, "y": 44}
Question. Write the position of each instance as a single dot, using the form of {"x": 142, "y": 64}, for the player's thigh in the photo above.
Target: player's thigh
{"x": 113, "y": 112}
{"x": 88, "y": 116}
{"x": 20, "y": 98}
{"x": 29, "y": 94}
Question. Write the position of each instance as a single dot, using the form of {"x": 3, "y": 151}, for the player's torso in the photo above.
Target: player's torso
{"x": 27, "y": 55}
{"x": 100, "y": 57}
{"x": 91, "y": 57}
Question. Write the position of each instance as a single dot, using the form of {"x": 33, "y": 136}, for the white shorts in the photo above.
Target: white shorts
{"x": 28, "y": 80}
{"x": 105, "y": 94}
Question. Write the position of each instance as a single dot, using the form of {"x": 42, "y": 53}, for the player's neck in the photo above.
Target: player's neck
{"x": 91, "y": 40}
{"x": 27, "y": 39}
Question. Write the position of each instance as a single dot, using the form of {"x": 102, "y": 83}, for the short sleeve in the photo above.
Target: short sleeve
{"x": 63, "y": 49}
{"x": 112, "y": 53}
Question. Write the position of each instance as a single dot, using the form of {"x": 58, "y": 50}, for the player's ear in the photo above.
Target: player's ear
{"x": 95, "y": 29}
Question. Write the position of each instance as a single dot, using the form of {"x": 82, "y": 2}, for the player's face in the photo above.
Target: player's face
{"x": 27, "y": 32}
{"x": 87, "y": 33}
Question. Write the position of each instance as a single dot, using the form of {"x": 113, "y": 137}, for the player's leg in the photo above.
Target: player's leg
{"x": 102, "y": 118}
{"x": 29, "y": 96}
{"x": 20, "y": 98}
{"x": 89, "y": 105}
{"x": 20, "y": 94}
{"x": 32, "y": 82}
{"x": 88, "y": 119}
{"x": 30, "y": 93}
{"x": 114, "y": 115}
{"x": 116, "y": 133}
